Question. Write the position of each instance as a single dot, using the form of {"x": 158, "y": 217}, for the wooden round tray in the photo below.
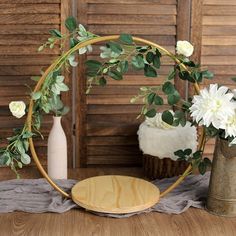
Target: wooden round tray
{"x": 115, "y": 194}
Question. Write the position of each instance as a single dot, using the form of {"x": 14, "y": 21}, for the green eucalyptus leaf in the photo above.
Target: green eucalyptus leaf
{"x": 115, "y": 47}
{"x": 156, "y": 61}
{"x": 150, "y": 98}
{"x": 36, "y": 95}
{"x": 126, "y": 38}
{"x": 63, "y": 87}
{"x": 187, "y": 152}
{"x": 180, "y": 153}
{"x": 71, "y": 23}
{"x": 20, "y": 147}
{"x": 124, "y": 66}
{"x": 184, "y": 75}
{"x": 26, "y": 145}
{"x": 173, "y": 98}
{"x": 234, "y": 79}
{"x": 207, "y": 161}
{"x": 168, "y": 88}
{"x": 102, "y": 81}
{"x": 65, "y": 110}
{"x": 149, "y": 71}
{"x": 116, "y": 75}
{"x": 158, "y": 53}
{"x": 95, "y": 65}
{"x": 151, "y": 113}
{"x": 167, "y": 117}
{"x": 56, "y": 33}
{"x": 197, "y": 155}
{"x": 25, "y": 159}
{"x": 150, "y": 57}
{"x": 207, "y": 74}
{"x": 158, "y": 100}
{"x": 171, "y": 74}
{"x": 137, "y": 62}
{"x": 202, "y": 167}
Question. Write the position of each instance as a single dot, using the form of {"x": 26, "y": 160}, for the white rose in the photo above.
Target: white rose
{"x": 17, "y": 108}
{"x": 184, "y": 48}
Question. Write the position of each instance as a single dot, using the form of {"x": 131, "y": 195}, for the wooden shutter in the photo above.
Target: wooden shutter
{"x": 24, "y": 26}
{"x": 219, "y": 44}
{"x": 108, "y": 133}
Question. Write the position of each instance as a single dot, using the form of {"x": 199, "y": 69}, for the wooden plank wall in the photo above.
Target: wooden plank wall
{"x": 111, "y": 124}
{"x": 218, "y": 51}
{"x": 24, "y": 25}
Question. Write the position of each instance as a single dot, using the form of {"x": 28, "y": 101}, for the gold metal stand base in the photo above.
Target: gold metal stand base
{"x": 115, "y": 194}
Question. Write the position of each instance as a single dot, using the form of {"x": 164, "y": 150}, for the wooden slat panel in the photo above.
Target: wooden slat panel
{"x": 219, "y": 40}
{"x": 219, "y": 20}
{"x": 133, "y": 1}
{"x": 114, "y": 160}
{"x": 29, "y": 8}
{"x": 131, "y": 19}
{"x": 30, "y": 1}
{"x": 23, "y": 40}
{"x": 26, "y": 50}
{"x": 220, "y": 2}
{"x": 218, "y": 50}
{"x": 29, "y": 19}
{"x": 132, "y": 9}
{"x": 109, "y": 112}
{"x": 219, "y": 30}
{"x": 215, "y": 50}
{"x": 26, "y": 29}
{"x": 114, "y": 141}
{"x": 144, "y": 30}
{"x": 211, "y": 10}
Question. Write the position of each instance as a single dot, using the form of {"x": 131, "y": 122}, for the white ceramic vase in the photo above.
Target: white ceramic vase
{"x": 57, "y": 151}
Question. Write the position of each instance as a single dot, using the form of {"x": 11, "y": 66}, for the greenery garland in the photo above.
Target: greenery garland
{"x": 118, "y": 57}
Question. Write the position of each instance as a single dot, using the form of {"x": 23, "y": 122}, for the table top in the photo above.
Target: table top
{"x": 194, "y": 222}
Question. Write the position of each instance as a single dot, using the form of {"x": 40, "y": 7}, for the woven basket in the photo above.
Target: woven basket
{"x": 155, "y": 168}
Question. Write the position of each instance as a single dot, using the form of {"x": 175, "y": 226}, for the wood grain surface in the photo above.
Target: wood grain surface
{"x": 116, "y": 194}
{"x": 193, "y": 222}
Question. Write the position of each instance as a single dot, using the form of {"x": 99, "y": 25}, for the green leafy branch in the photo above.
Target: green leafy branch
{"x": 195, "y": 159}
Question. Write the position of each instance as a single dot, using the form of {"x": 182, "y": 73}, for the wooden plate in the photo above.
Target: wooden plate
{"x": 115, "y": 194}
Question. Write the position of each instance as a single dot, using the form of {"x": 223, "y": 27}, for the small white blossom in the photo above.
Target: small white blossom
{"x": 184, "y": 48}
{"x": 230, "y": 126}
{"x": 213, "y": 106}
{"x": 17, "y": 108}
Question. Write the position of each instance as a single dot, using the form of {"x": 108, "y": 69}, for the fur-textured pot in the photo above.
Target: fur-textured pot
{"x": 155, "y": 168}
{"x": 158, "y": 146}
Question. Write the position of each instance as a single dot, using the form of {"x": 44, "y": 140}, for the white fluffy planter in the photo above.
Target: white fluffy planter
{"x": 158, "y": 142}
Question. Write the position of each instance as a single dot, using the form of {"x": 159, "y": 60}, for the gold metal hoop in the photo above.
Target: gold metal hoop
{"x": 54, "y": 65}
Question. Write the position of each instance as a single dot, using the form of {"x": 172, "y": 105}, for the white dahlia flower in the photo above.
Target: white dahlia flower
{"x": 213, "y": 106}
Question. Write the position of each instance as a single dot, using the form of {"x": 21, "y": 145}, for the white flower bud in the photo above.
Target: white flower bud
{"x": 184, "y": 48}
{"x": 17, "y": 108}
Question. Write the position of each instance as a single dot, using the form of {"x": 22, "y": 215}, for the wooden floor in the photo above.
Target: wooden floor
{"x": 194, "y": 222}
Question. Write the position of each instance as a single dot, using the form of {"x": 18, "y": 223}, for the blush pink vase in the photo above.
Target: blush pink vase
{"x": 57, "y": 151}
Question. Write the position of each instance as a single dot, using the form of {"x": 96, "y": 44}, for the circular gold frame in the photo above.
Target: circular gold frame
{"x": 53, "y": 66}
